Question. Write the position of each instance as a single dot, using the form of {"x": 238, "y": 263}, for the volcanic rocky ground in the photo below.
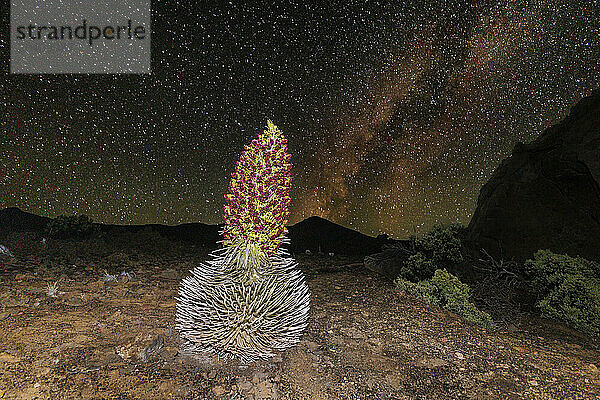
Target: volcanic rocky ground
{"x": 115, "y": 339}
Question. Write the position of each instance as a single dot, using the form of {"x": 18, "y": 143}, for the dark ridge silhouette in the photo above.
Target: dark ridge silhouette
{"x": 12, "y": 219}
{"x": 315, "y": 234}
{"x": 196, "y": 232}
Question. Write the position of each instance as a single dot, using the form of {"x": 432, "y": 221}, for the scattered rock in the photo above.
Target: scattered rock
{"x": 169, "y": 274}
{"x": 118, "y": 260}
{"x": 95, "y": 286}
{"x": 244, "y": 384}
{"x": 354, "y": 333}
{"x": 5, "y": 357}
{"x": 277, "y": 358}
{"x": 75, "y": 300}
{"x": 390, "y": 261}
{"x": 105, "y": 356}
{"x": 141, "y": 348}
{"x": 259, "y": 376}
{"x": 311, "y": 346}
{"x": 153, "y": 348}
{"x": 169, "y": 352}
{"x": 29, "y": 393}
{"x": 432, "y": 363}
{"x": 265, "y": 390}
{"x": 394, "y": 382}
{"x": 371, "y": 383}
{"x": 219, "y": 390}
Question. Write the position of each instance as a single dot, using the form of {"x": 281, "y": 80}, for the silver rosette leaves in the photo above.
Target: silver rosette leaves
{"x": 243, "y": 305}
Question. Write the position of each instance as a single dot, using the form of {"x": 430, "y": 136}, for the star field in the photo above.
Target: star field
{"x": 396, "y": 114}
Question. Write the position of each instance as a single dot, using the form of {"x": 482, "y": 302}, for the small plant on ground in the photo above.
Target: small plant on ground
{"x": 109, "y": 277}
{"x": 447, "y": 291}
{"x": 52, "y": 289}
{"x": 568, "y": 289}
{"x": 417, "y": 267}
{"x": 4, "y": 251}
{"x": 128, "y": 276}
{"x": 70, "y": 227}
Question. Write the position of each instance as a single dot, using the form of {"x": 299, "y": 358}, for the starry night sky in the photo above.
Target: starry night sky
{"x": 396, "y": 115}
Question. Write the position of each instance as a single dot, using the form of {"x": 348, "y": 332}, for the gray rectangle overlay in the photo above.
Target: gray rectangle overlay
{"x": 80, "y": 36}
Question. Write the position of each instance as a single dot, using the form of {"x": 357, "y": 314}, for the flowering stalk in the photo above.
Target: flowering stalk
{"x": 258, "y": 199}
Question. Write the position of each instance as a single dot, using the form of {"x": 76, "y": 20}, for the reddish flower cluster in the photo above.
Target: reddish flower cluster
{"x": 258, "y": 198}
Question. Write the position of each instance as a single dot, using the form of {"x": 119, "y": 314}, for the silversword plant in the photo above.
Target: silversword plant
{"x": 249, "y": 299}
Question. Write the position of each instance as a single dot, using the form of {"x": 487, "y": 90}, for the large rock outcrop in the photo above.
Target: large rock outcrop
{"x": 546, "y": 195}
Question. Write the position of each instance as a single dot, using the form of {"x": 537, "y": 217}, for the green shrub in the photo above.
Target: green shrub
{"x": 442, "y": 245}
{"x": 439, "y": 248}
{"x": 568, "y": 289}
{"x": 447, "y": 291}
{"x": 417, "y": 267}
{"x": 70, "y": 227}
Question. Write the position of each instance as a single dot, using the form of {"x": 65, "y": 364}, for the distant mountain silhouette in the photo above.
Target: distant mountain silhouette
{"x": 314, "y": 234}
{"x": 318, "y": 234}
{"x": 14, "y": 220}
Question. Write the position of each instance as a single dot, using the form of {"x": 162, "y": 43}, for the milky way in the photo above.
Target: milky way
{"x": 396, "y": 115}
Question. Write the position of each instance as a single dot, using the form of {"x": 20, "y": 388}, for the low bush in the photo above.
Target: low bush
{"x": 439, "y": 248}
{"x": 442, "y": 245}
{"x": 70, "y": 227}
{"x": 568, "y": 289}
{"x": 417, "y": 267}
{"x": 447, "y": 291}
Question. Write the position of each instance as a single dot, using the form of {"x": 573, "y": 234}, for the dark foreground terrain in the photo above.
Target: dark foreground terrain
{"x": 101, "y": 338}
